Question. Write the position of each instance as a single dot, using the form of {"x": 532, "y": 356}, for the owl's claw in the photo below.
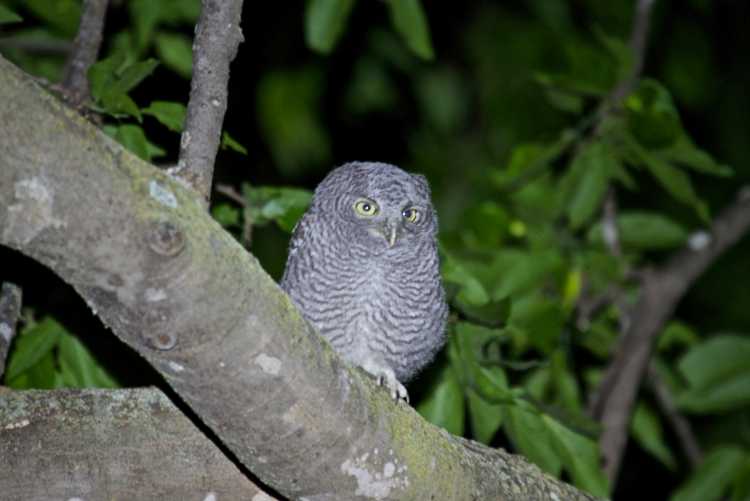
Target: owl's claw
{"x": 385, "y": 376}
{"x": 396, "y": 389}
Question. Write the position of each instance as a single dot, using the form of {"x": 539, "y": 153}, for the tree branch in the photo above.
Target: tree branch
{"x": 661, "y": 290}
{"x": 681, "y": 426}
{"x": 638, "y": 39}
{"x": 104, "y": 444}
{"x": 75, "y": 84}
{"x": 217, "y": 38}
{"x": 169, "y": 282}
{"x": 10, "y": 310}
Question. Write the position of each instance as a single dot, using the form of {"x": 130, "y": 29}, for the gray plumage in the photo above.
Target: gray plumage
{"x": 363, "y": 268}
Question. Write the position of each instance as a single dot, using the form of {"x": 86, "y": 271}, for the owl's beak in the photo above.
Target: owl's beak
{"x": 389, "y": 230}
{"x": 392, "y": 236}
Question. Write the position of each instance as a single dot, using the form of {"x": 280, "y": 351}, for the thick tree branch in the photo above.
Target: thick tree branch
{"x": 10, "y": 310}
{"x": 75, "y": 84}
{"x": 173, "y": 285}
{"x": 103, "y": 444}
{"x": 217, "y": 38}
{"x": 661, "y": 290}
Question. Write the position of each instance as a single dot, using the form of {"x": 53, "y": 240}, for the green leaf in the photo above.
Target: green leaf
{"x": 530, "y": 436}
{"x": 741, "y": 487}
{"x": 176, "y": 52}
{"x": 62, "y": 15}
{"x": 647, "y": 431}
{"x": 272, "y": 203}
{"x": 134, "y": 74}
{"x": 651, "y": 115}
{"x": 8, "y": 16}
{"x": 712, "y": 386}
{"x": 470, "y": 345}
{"x": 677, "y": 183}
{"x": 470, "y": 290}
{"x": 523, "y": 271}
{"x": 567, "y": 393}
{"x": 530, "y": 160}
{"x": 640, "y": 230}
{"x": 485, "y": 417}
{"x": 154, "y": 151}
{"x": 676, "y": 335}
{"x": 485, "y": 225}
{"x": 410, "y": 22}
{"x": 79, "y": 368}
{"x": 40, "y": 376}
{"x": 118, "y": 103}
{"x": 444, "y": 404}
{"x": 226, "y": 215}
{"x": 580, "y": 456}
{"x": 491, "y": 314}
{"x": 324, "y": 23}
{"x": 714, "y": 476}
{"x": 169, "y": 114}
{"x": 621, "y": 51}
{"x": 133, "y": 139}
{"x": 542, "y": 317}
{"x": 103, "y": 74}
{"x": 684, "y": 152}
{"x": 700, "y": 368}
{"x": 32, "y": 344}
{"x": 145, "y": 16}
{"x": 112, "y": 78}
{"x": 598, "y": 164}
{"x": 229, "y": 143}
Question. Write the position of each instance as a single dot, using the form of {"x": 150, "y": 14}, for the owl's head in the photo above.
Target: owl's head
{"x": 378, "y": 204}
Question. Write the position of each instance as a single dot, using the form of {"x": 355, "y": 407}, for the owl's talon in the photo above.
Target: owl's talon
{"x": 385, "y": 377}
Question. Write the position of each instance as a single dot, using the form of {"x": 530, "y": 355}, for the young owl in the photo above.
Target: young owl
{"x": 363, "y": 269}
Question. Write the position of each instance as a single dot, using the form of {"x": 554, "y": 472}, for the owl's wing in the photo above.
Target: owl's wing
{"x": 299, "y": 233}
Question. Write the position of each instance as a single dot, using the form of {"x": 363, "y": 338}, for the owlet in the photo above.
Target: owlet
{"x": 363, "y": 269}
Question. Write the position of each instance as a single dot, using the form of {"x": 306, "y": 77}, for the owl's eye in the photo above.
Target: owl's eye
{"x": 411, "y": 215}
{"x": 365, "y": 207}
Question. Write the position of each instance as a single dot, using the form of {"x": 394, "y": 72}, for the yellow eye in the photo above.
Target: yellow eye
{"x": 411, "y": 215}
{"x": 365, "y": 207}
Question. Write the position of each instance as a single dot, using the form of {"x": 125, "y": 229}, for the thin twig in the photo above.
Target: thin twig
{"x": 217, "y": 38}
{"x": 75, "y": 83}
{"x": 231, "y": 193}
{"x": 680, "y": 424}
{"x": 247, "y": 224}
{"x": 34, "y": 46}
{"x": 589, "y": 305}
{"x": 660, "y": 292}
{"x": 638, "y": 39}
{"x": 609, "y": 223}
{"x": 10, "y": 310}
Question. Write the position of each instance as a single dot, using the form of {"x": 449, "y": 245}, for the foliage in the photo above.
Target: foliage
{"x": 46, "y": 355}
{"x": 508, "y": 115}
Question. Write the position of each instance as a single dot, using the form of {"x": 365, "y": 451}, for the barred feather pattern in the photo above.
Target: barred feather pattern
{"x": 371, "y": 300}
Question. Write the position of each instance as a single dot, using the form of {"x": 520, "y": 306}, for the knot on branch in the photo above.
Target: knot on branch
{"x": 165, "y": 239}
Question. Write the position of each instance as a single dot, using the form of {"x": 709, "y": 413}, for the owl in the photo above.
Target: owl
{"x": 363, "y": 269}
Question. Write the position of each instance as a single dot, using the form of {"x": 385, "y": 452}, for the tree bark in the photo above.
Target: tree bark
{"x": 63, "y": 444}
{"x": 171, "y": 283}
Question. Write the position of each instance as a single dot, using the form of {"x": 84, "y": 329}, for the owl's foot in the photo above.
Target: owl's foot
{"x": 387, "y": 378}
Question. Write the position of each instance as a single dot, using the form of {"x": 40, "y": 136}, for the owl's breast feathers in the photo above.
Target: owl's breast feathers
{"x": 390, "y": 304}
